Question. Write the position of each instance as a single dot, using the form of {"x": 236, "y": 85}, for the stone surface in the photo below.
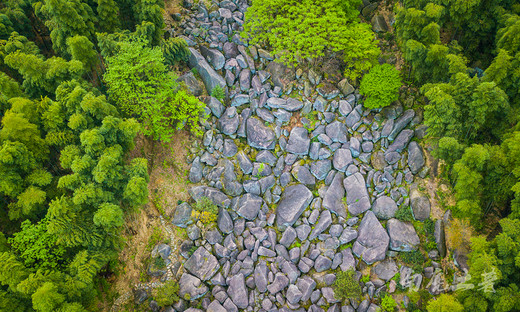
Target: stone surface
{"x": 237, "y": 291}
{"x": 372, "y": 242}
{"x": 298, "y": 141}
{"x": 384, "y": 207}
{"x": 260, "y": 136}
{"x": 248, "y": 206}
{"x": 202, "y": 264}
{"x": 357, "y": 194}
{"x": 333, "y": 199}
{"x": 415, "y": 157}
{"x": 420, "y": 204}
{"x": 295, "y": 199}
{"x": 386, "y": 269}
{"x": 402, "y": 235}
{"x": 209, "y": 76}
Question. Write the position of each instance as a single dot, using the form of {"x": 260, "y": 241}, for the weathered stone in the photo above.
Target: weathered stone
{"x": 400, "y": 123}
{"x": 215, "y": 306}
{"x": 293, "y": 294}
{"x": 401, "y": 141}
{"x": 229, "y": 121}
{"x": 209, "y": 76}
{"x": 402, "y": 235}
{"x": 290, "y": 105}
{"x": 386, "y": 269}
{"x": 298, "y": 141}
{"x": 342, "y": 159}
{"x": 260, "y": 136}
{"x": 202, "y": 264}
{"x": 261, "y": 277}
{"x": 224, "y": 221}
{"x": 324, "y": 222}
{"x": 345, "y": 87}
{"x": 379, "y": 23}
{"x": 349, "y": 262}
{"x": 288, "y": 236}
{"x": 415, "y": 157}
{"x": 294, "y": 200}
{"x": 191, "y": 287}
{"x": 337, "y": 132}
{"x": 420, "y": 204}
{"x": 322, "y": 264}
{"x": 237, "y": 291}
{"x": 214, "y": 57}
{"x": 248, "y": 206}
{"x": 230, "y": 50}
{"x": 320, "y": 169}
{"x": 440, "y": 237}
{"x": 349, "y": 234}
{"x": 192, "y": 83}
{"x": 357, "y": 194}
{"x": 384, "y": 207}
{"x": 333, "y": 199}
{"x": 372, "y": 242}
{"x": 280, "y": 282}
{"x": 182, "y": 215}
{"x": 303, "y": 175}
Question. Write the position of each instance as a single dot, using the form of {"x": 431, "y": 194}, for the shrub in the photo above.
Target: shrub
{"x": 413, "y": 259}
{"x": 388, "y": 303}
{"x": 167, "y": 294}
{"x": 218, "y": 93}
{"x": 175, "y": 50}
{"x": 205, "y": 211}
{"x": 346, "y": 285}
{"x": 380, "y": 86}
{"x": 458, "y": 234}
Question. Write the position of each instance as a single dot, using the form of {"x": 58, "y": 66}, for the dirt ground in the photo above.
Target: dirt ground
{"x": 168, "y": 185}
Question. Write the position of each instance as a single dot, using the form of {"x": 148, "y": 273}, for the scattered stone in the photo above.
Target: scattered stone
{"x": 295, "y": 199}
{"x": 384, "y": 207}
{"x": 372, "y": 242}
{"x": 402, "y": 235}
{"x": 202, "y": 264}
{"x": 357, "y": 194}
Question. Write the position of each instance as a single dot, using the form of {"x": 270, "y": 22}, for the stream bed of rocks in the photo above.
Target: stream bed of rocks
{"x": 307, "y": 182}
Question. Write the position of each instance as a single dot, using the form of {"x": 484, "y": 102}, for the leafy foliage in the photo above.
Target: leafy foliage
{"x": 167, "y": 294}
{"x": 175, "y": 50}
{"x": 347, "y": 286}
{"x": 297, "y": 30}
{"x": 380, "y": 86}
{"x": 218, "y": 93}
{"x": 139, "y": 83}
{"x": 444, "y": 302}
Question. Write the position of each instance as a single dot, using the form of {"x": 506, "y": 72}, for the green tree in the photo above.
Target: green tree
{"x": 296, "y": 30}
{"x": 108, "y": 15}
{"x": 151, "y": 11}
{"x": 141, "y": 86}
{"x": 82, "y": 50}
{"x": 380, "y": 86}
{"x": 444, "y": 303}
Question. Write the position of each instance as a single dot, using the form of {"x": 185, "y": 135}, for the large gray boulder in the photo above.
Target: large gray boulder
{"x": 384, "y": 207}
{"x": 191, "y": 83}
{"x": 214, "y": 57}
{"x": 337, "y": 131}
{"x": 386, "y": 269}
{"x": 357, "y": 194}
{"x": 372, "y": 242}
{"x": 306, "y": 285}
{"x": 217, "y": 108}
{"x": 290, "y": 105}
{"x": 260, "y": 276}
{"x": 400, "y": 123}
{"x": 342, "y": 159}
{"x": 420, "y": 204}
{"x": 237, "y": 291}
{"x": 402, "y": 235}
{"x": 202, "y": 264}
{"x": 415, "y": 157}
{"x": 260, "y": 136}
{"x": 295, "y": 199}
{"x": 249, "y": 205}
{"x": 209, "y": 76}
{"x": 299, "y": 141}
{"x": 401, "y": 141}
{"x": 333, "y": 199}
{"x": 440, "y": 237}
{"x": 182, "y": 215}
{"x": 229, "y": 121}
{"x": 192, "y": 287}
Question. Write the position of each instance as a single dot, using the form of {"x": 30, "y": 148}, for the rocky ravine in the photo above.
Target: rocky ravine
{"x": 292, "y": 199}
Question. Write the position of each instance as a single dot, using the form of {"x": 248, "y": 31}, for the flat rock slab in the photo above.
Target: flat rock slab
{"x": 249, "y": 205}
{"x": 259, "y": 135}
{"x": 290, "y": 105}
{"x": 192, "y": 287}
{"x": 357, "y": 194}
{"x": 237, "y": 291}
{"x": 415, "y": 157}
{"x": 299, "y": 141}
{"x": 202, "y": 264}
{"x": 295, "y": 199}
{"x": 372, "y": 242}
{"x": 402, "y": 235}
{"x": 333, "y": 199}
{"x": 386, "y": 269}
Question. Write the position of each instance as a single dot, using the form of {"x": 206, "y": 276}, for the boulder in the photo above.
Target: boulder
{"x": 333, "y": 199}
{"x": 372, "y": 242}
{"x": 209, "y": 76}
{"x": 260, "y": 275}
{"x": 400, "y": 123}
{"x": 290, "y": 105}
{"x": 191, "y": 83}
{"x": 384, "y": 207}
{"x": 214, "y": 57}
{"x": 306, "y": 285}
{"x": 379, "y": 23}
{"x": 342, "y": 159}
{"x": 182, "y": 215}
{"x": 237, "y": 291}
{"x": 228, "y": 123}
{"x": 402, "y": 235}
{"x": 345, "y": 87}
{"x": 293, "y": 294}
{"x": 386, "y": 269}
{"x": 260, "y": 136}
{"x": 202, "y": 264}
{"x": 324, "y": 222}
{"x": 420, "y": 204}
{"x": 217, "y": 108}
{"x": 357, "y": 194}
{"x": 401, "y": 141}
{"x": 440, "y": 238}
{"x": 295, "y": 199}
{"x": 280, "y": 282}
{"x": 415, "y": 157}
{"x": 299, "y": 141}
{"x": 337, "y": 132}
{"x": 248, "y": 206}
{"x": 191, "y": 287}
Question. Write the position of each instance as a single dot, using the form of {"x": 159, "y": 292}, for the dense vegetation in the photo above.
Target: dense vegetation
{"x": 464, "y": 55}
{"x": 67, "y": 183}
